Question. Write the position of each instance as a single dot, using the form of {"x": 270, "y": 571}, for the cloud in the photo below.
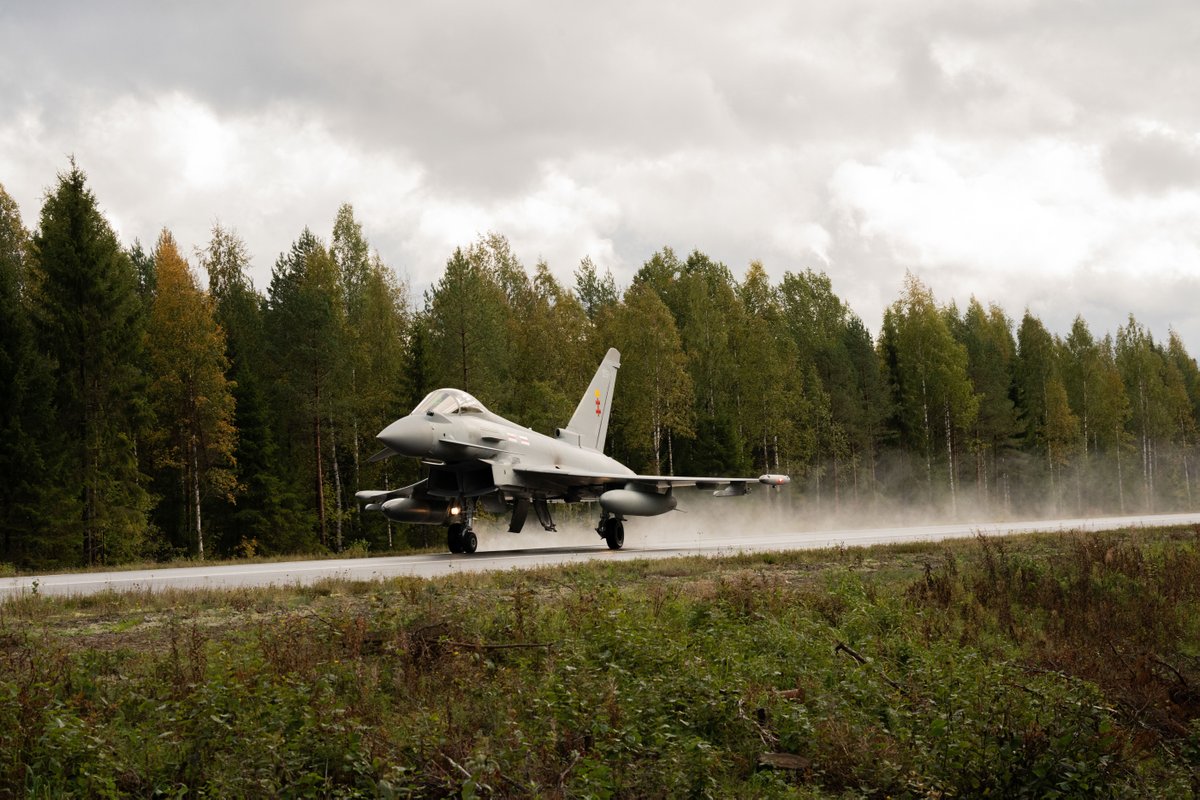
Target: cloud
{"x": 172, "y": 161}
{"x": 1153, "y": 161}
{"x": 1032, "y": 207}
{"x": 1033, "y": 224}
{"x": 1023, "y": 151}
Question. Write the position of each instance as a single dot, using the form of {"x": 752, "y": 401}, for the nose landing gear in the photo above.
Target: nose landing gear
{"x": 459, "y": 536}
{"x": 461, "y": 539}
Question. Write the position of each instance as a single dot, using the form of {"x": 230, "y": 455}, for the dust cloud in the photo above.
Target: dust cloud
{"x": 702, "y": 520}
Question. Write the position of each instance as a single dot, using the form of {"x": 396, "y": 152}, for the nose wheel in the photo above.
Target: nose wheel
{"x": 461, "y": 539}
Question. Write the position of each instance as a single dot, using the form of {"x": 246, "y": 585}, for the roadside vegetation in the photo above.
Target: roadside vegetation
{"x": 1039, "y": 666}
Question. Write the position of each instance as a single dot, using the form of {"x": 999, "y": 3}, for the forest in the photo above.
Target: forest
{"x": 156, "y": 404}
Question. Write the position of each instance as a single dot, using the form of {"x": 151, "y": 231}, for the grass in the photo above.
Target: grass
{"x": 1037, "y": 666}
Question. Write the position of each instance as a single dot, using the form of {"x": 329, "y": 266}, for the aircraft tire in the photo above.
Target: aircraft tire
{"x": 454, "y": 537}
{"x": 469, "y": 541}
{"x": 614, "y": 534}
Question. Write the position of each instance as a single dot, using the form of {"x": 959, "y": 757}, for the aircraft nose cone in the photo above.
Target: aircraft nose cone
{"x": 408, "y": 436}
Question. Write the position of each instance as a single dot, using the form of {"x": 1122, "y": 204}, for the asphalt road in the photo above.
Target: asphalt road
{"x": 566, "y": 548}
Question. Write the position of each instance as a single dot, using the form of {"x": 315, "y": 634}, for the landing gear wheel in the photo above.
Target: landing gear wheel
{"x": 454, "y": 537}
{"x": 614, "y": 533}
{"x": 469, "y": 541}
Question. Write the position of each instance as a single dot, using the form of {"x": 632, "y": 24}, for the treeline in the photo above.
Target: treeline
{"x": 145, "y": 415}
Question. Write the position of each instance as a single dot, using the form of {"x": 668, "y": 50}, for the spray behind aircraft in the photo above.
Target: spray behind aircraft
{"x": 480, "y": 460}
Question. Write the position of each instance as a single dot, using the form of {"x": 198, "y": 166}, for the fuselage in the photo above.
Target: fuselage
{"x": 450, "y": 430}
{"x": 448, "y": 439}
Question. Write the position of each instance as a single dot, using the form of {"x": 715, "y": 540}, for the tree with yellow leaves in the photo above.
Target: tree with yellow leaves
{"x": 189, "y": 392}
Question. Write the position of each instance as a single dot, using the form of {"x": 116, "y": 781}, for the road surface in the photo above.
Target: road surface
{"x": 496, "y": 554}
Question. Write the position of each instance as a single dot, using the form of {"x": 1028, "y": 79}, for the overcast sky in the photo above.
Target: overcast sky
{"x": 1033, "y": 154}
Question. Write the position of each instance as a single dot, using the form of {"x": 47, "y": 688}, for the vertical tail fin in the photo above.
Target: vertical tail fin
{"x": 590, "y": 420}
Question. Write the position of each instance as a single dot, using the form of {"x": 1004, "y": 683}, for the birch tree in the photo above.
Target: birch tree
{"x": 656, "y": 390}
{"x": 933, "y": 393}
{"x": 189, "y": 391}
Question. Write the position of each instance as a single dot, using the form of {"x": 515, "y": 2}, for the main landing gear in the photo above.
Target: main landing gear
{"x": 613, "y": 531}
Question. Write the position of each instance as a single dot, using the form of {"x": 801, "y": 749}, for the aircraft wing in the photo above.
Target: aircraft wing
{"x": 386, "y": 452}
{"x": 578, "y": 478}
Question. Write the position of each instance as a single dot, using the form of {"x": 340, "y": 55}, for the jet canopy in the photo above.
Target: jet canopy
{"x": 449, "y": 401}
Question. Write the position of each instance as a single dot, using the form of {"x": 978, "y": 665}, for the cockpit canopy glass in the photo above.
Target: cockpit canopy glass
{"x": 449, "y": 401}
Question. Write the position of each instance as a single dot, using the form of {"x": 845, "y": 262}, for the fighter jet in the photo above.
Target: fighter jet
{"x": 480, "y": 460}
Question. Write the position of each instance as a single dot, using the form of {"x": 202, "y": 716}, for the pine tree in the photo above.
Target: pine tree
{"x": 708, "y": 310}
{"x": 306, "y": 333}
{"x": 268, "y": 516}
{"x": 418, "y": 369}
{"x": 1141, "y": 367}
{"x": 768, "y": 390}
{"x": 1185, "y": 404}
{"x": 554, "y": 333}
{"x": 383, "y": 389}
{"x": 991, "y": 350}
{"x": 1035, "y": 365}
{"x": 866, "y": 403}
{"x": 835, "y": 346}
{"x": 1181, "y": 426}
{"x": 1109, "y": 415}
{"x": 1060, "y": 431}
{"x": 34, "y": 509}
{"x": 568, "y": 338}
{"x": 91, "y": 323}
{"x": 595, "y": 293}
{"x": 143, "y": 265}
{"x": 660, "y": 272}
{"x": 1189, "y": 371}
{"x": 1083, "y": 370}
{"x": 465, "y": 313}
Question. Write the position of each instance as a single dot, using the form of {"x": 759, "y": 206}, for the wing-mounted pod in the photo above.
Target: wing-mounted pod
{"x": 632, "y": 502}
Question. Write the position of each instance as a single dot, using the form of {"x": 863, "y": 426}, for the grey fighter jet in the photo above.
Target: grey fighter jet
{"x": 479, "y": 460}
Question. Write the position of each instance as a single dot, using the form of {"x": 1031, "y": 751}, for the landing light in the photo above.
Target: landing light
{"x": 455, "y": 510}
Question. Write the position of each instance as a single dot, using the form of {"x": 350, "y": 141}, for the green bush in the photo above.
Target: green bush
{"x": 974, "y": 669}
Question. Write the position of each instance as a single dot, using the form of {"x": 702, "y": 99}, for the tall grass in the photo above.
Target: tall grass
{"x": 1039, "y": 667}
